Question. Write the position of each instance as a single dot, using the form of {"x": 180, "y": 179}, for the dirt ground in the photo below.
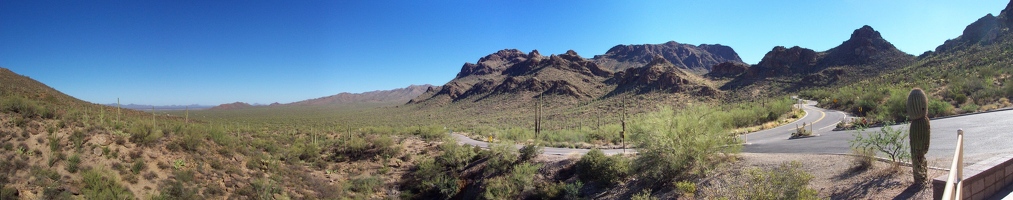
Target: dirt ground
{"x": 834, "y": 177}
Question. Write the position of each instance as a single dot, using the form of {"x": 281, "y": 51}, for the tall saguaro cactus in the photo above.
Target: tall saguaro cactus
{"x": 917, "y": 111}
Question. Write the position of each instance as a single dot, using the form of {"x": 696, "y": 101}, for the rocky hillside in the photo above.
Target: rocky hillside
{"x": 665, "y": 68}
{"x": 697, "y": 59}
{"x": 662, "y": 75}
{"x": 985, "y": 31}
{"x": 866, "y": 53}
{"x": 512, "y": 72}
{"x": 399, "y": 95}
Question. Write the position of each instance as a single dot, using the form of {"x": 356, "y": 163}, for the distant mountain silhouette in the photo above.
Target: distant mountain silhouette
{"x": 231, "y": 106}
{"x": 169, "y": 107}
{"x": 399, "y": 96}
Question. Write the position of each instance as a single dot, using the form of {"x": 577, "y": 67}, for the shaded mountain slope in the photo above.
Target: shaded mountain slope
{"x": 696, "y": 59}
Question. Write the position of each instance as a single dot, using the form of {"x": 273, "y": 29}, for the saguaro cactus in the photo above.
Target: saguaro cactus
{"x": 917, "y": 111}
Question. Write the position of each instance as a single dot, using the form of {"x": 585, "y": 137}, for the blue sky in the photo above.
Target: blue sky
{"x": 213, "y": 52}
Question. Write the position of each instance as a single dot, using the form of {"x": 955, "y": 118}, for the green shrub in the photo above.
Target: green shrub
{"x": 261, "y": 188}
{"x": 78, "y": 139}
{"x": 431, "y": 133}
{"x": 686, "y": 188}
{"x": 512, "y": 185}
{"x": 100, "y": 184}
{"x": 54, "y": 144}
{"x": 308, "y": 152}
{"x": 572, "y": 190}
{"x": 72, "y": 163}
{"x": 595, "y": 167}
{"x": 939, "y": 108}
{"x": 501, "y": 156}
{"x": 529, "y": 152}
{"x": 455, "y": 156}
{"x": 189, "y": 141}
{"x": 499, "y": 188}
{"x": 8, "y": 193}
{"x": 144, "y": 134}
{"x": 138, "y": 166}
{"x": 433, "y": 177}
{"x": 365, "y": 184}
{"x": 357, "y": 148}
{"x": 175, "y": 190}
{"x": 786, "y": 181}
{"x": 643, "y": 195}
{"x": 384, "y": 146}
{"x": 550, "y": 190}
{"x": 673, "y": 144}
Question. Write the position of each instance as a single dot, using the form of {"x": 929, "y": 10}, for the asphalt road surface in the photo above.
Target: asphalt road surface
{"x": 548, "y": 150}
{"x": 985, "y": 135}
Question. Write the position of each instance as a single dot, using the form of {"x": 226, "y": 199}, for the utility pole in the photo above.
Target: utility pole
{"x": 622, "y": 134}
{"x": 538, "y": 117}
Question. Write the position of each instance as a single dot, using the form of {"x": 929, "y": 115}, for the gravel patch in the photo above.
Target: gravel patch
{"x": 835, "y": 177}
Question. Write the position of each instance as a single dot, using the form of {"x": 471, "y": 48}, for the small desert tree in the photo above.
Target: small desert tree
{"x": 673, "y": 143}
{"x": 888, "y": 140}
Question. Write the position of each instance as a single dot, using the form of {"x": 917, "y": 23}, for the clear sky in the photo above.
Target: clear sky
{"x": 213, "y": 52}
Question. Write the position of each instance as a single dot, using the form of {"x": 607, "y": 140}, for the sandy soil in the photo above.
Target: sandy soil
{"x": 835, "y": 177}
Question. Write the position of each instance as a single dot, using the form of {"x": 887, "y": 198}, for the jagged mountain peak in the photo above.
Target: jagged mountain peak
{"x": 866, "y": 32}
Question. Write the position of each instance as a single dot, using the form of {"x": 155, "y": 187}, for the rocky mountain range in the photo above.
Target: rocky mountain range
{"x": 663, "y": 68}
{"x": 525, "y": 75}
{"x": 865, "y": 53}
{"x": 697, "y": 59}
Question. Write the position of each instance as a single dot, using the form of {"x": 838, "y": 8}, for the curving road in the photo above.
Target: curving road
{"x": 548, "y": 150}
{"x": 985, "y": 135}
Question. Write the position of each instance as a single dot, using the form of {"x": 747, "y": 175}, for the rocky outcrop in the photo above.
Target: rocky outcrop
{"x": 494, "y": 63}
{"x": 697, "y": 59}
{"x": 661, "y": 75}
{"x": 984, "y": 31}
{"x": 782, "y": 60}
{"x": 866, "y": 46}
{"x": 728, "y": 69}
{"x": 512, "y": 72}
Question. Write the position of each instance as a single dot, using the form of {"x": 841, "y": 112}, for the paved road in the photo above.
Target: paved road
{"x": 548, "y": 150}
{"x": 985, "y": 135}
